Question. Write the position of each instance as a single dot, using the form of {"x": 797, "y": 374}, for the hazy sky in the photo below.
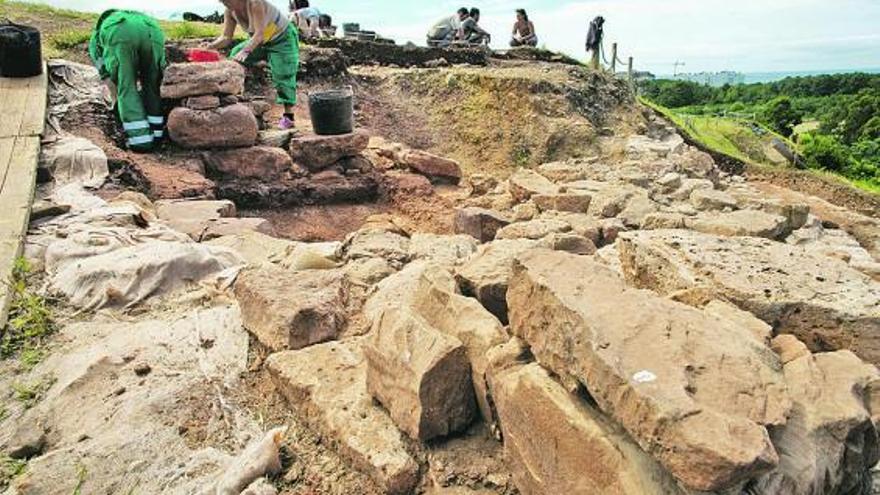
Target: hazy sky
{"x": 707, "y": 35}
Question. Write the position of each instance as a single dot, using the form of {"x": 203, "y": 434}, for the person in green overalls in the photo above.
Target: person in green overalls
{"x": 272, "y": 38}
{"x": 128, "y": 48}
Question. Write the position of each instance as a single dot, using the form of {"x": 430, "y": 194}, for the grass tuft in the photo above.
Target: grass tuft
{"x": 30, "y": 320}
{"x": 10, "y": 469}
{"x": 69, "y": 38}
{"x": 31, "y": 393}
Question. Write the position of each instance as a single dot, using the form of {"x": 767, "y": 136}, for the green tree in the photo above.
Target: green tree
{"x": 824, "y": 152}
{"x": 871, "y": 131}
{"x": 860, "y": 112}
{"x": 781, "y": 115}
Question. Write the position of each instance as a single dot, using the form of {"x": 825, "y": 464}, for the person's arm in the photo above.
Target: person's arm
{"x": 258, "y": 21}
{"x": 532, "y": 29}
{"x": 226, "y": 38}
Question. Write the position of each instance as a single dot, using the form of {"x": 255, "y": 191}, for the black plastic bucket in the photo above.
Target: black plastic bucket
{"x": 332, "y": 111}
{"x": 20, "y": 51}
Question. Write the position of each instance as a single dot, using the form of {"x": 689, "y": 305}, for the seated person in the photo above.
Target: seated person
{"x": 326, "y": 29}
{"x": 306, "y": 18}
{"x": 470, "y": 31}
{"x": 523, "y": 30}
{"x": 444, "y": 32}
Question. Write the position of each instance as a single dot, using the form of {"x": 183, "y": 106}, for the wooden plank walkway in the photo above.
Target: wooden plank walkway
{"x": 22, "y": 122}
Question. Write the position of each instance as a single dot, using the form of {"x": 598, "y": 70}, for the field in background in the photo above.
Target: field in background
{"x": 66, "y": 32}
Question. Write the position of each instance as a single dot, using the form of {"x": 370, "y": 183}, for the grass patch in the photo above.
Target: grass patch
{"x": 31, "y": 393}
{"x": 732, "y": 137}
{"x": 183, "y": 30}
{"x": 30, "y": 320}
{"x": 10, "y": 469}
{"x": 10, "y": 9}
{"x": 69, "y": 38}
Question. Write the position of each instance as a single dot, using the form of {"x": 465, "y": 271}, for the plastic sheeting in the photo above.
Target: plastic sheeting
{"x": 71, "y": 159}
{"x": 126, "y": 276}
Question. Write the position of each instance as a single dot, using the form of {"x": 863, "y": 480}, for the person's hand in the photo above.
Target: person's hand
{"x": 109, "y": 94}
{"x": 242, "y": 55}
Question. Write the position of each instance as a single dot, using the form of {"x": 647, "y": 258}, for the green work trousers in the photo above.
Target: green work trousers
{"x": 131, "y": 50}
{"x": 283, "y": 57}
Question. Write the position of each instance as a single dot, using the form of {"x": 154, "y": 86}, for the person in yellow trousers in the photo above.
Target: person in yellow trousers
{"x": 128, "y": 49}
{"x": 272, "y": 38}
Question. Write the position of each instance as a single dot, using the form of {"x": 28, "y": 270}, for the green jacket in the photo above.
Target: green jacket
{"x": 107, "y": 31}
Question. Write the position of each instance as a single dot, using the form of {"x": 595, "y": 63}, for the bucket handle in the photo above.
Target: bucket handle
{"x": 347, "y": 86}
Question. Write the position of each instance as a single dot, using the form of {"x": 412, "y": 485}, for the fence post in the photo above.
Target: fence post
{"x": 629, "y": 70}
{"x": 614, "y": 58}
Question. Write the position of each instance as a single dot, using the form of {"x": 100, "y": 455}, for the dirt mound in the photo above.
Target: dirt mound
{"x": 493, "y": 121}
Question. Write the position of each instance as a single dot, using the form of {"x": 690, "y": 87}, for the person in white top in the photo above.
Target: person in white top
{"x": 445, "y": 30}
{"x": 306, "y": 18}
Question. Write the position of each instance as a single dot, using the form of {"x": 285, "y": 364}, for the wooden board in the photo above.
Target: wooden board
{"x": 24, "y": 106}
{"x": 22, "y": 121}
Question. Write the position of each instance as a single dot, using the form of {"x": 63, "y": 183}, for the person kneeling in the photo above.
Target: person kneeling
{"x": 272, "y": 38}
{"x": 471, "y": 32}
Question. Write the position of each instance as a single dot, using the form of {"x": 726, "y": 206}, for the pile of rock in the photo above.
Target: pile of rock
{"x": 210, "y": 114}
{"x": 611, "y": 325}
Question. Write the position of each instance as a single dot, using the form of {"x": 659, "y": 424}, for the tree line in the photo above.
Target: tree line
{"x": 843, "y": 111}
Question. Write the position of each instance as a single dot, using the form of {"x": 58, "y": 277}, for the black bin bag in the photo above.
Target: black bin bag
{"x": 20, "y": 50}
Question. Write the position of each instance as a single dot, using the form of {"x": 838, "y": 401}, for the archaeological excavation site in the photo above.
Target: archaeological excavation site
{"x": 511, "y": 277}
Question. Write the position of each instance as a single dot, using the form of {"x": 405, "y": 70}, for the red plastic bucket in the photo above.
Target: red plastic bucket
{"x": 199, "y": 55}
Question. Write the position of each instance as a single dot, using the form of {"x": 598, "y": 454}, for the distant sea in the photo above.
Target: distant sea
{"x": 764, "y": 77}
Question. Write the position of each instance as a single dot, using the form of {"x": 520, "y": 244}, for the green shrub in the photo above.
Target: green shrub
{"x": 781, "y": 115}
{"x": 824, "y": 152}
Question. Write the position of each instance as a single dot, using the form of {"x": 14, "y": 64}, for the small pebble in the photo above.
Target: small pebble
{"x": 142, "y": 369}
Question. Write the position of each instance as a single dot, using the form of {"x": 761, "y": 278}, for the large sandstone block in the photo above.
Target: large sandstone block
{"x": 556, "y": 443}
{"x": 327, "y": 384}
{"x": 524, "y": 184}
{"x": 829, "y": 444}
{"x": 291, "y": 310}
{"x": 430, "y": 290}
{"x": 574, "y": 202}
{"x": 449, "y": 250}
{"x": 220, "y": 227}
{"x": 432, "y": 166}
{"x": 695, "y": 391}
{"x": 821, "y": 300}
{"x": 563, "y": 171}
{"x": 319, "y": 152}
{"x": 421, "y": 375}
{"x": 256, "y": 162}
{"x": 465, "y": 319}
{"x": 198, "y": 79}
{"x": 375, "y": 243}
{"x": 533, "y": 229}
{"x": 255, "y": 248}
{"x": 226, "y": 127}
{"x": 479, "y": 223}
{"x": 486, "y": 275}
{"x": 753, "y": 223}
{"x": 182, "y": 209}
{"x": 712, "y": 199}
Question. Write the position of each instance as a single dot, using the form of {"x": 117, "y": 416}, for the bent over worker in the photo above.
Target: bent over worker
{"x": 128, "y": 48}
{"x": 272, "y": 38}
